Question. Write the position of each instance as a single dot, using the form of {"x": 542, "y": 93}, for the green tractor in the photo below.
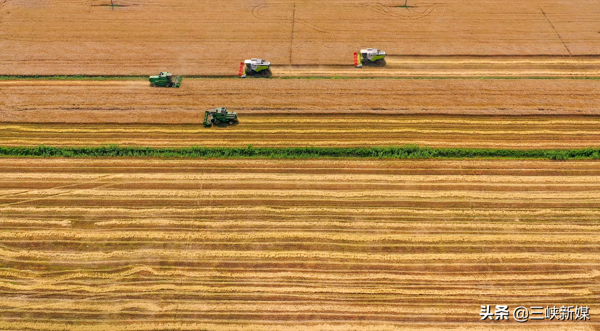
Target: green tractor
{"x": 255, "y": 67}
{"x": 165, "y": 79}
{"x": 219, "y": 116}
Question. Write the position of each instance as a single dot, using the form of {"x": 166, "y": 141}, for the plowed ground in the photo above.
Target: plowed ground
{"x": 518, "y": 132}
{"x": 212, "y": 37}
{"x": 293, "y": 245}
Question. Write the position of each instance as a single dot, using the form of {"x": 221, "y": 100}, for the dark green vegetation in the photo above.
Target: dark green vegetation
{"x": 404, "y": 152}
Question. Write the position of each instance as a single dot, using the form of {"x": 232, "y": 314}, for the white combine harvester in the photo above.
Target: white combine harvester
{"x": 255, "y": 67}
{"x": 369, "y": 56}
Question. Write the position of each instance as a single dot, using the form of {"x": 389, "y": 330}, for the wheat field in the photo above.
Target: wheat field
{"x": 290, "y": 245}
{"x": 343, "y": 130}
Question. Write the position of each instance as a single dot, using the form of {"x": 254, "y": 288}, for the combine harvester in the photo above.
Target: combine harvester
{"x": 369, "y": 57}
{"x": 165, "y": 79}
{"x": 219, "y": 116}
{"x": 255, "y": 67}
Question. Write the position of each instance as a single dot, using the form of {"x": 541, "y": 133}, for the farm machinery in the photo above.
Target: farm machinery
{"x": 370, "y": 57}
{"x": 165, "y": 79}
{"x": 255, "y": 67}
{"x": 219, "y": 116}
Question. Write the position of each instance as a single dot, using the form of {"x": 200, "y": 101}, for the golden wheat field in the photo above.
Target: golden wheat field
{"x": 293, "y": 245}
{"x": 331, "y": 130}
{"x": 133, "y": 101}
{"x": 211, "y": 37}
{"x": 146, "y": 244}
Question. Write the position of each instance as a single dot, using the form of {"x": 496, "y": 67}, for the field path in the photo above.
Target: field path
{"x": 293, "y": 245}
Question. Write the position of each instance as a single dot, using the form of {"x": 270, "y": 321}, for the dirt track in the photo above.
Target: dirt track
{"x": 287, "y": 245}
{"x": 520, "y": 132}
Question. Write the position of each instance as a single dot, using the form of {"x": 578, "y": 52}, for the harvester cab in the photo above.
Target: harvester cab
{"x": 219, "y": 116}
{"x": 255, "y": 67}
{"x": 369, "y": 56}
{"x": 165, "y": 79}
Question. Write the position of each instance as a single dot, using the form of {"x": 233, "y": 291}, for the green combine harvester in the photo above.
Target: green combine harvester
{"x": 255, "y": 67}
{"x": 165, "y": 79}
{"x": 219, "y": 116}
{"x": 369, "y": 57}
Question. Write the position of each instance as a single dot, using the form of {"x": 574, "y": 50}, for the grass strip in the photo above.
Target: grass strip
{"x": 391, "y": 152}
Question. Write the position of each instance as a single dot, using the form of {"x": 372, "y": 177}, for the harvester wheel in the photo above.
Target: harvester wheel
{"x": 377, "y": 62}
{"x": 169, "y": 85}
{"x": 216, "y": 122}
{"x": 230, "y": 122}
{"x": 152, "y": 85}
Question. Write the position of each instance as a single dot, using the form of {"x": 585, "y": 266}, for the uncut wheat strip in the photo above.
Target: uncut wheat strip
{"x": 281, "y": 235}
{"x": 491, "y": 142}
{"x": 145, "y": 307}
{"x": 242, "y": 223}
{"x": 330, "y": 129}
{"x": 320, "y": 212}
{"x": 542, "y": 193}
{"x": 312, "y": 142}
{"x": 249, "y": 167}
{"x": 355, "y": 225}
{"x": 305, "y": 274}
{"x": 75, "y": 165}
{"x": 91, "y": 83}
{"x": 306, "y": 120}
{"x": 183, "y": 306}
{"x": 352, "y": 287}
{"x": 302, "y": 325}
{"x": 69, "y": 165}
{"x": 178, "y": 255}
{"x": 148, "y": 308}
{"x": 262, "y": 177}
{"x": 385, "y": 289}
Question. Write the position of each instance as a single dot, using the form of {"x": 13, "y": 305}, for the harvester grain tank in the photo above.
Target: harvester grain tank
{"x": 165, "y": 79}
{"x": 255, "y": 67}
{"x": 219, "y": 116}
{"x": 369, "y": 56}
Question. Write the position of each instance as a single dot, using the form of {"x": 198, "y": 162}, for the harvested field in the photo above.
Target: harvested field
{"x": 199, "y": 37}
{"x": 293, "y": 245}
{"x": 507, "y": 132}
{"x": 50, "y": 101}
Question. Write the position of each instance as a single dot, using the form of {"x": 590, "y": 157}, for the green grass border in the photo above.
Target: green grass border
{"x": 391, "y": 152}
